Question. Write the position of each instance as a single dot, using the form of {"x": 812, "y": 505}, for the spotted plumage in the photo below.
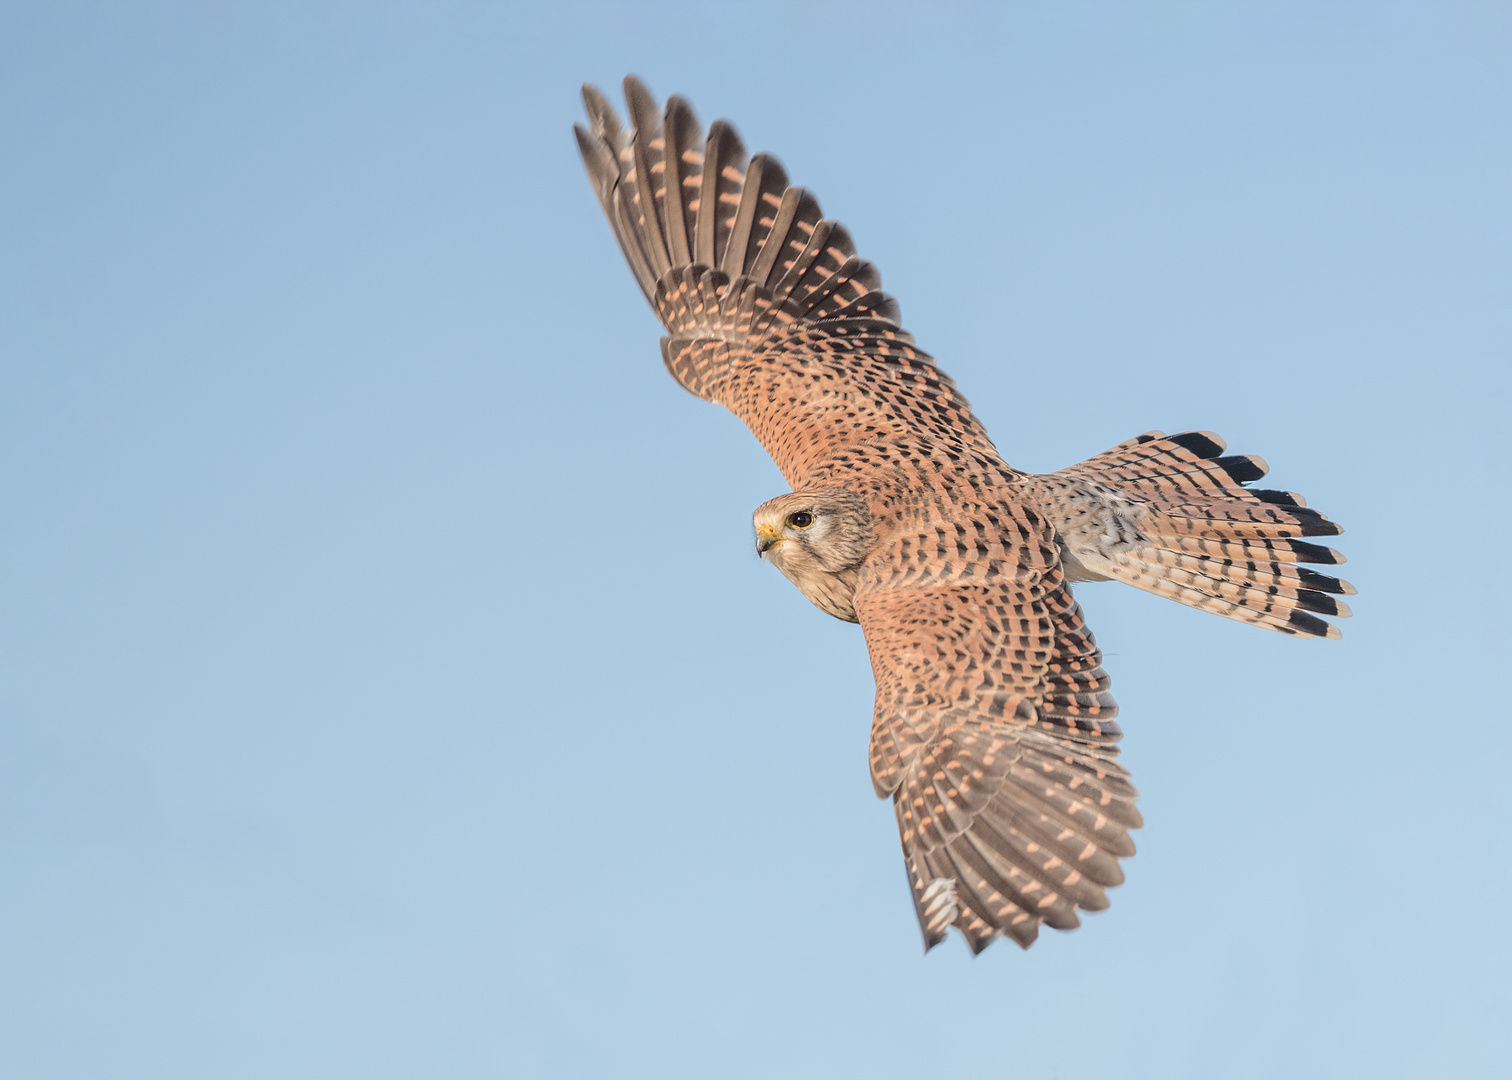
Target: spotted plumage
{"x": 993, "y": 731}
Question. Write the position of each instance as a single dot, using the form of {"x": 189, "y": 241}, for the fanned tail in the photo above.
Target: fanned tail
{"x": 1171, "y": 515}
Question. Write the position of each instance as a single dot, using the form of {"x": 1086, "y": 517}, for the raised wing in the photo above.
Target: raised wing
{"x": 768, "y": 309}
{"x": 994, "y": 736}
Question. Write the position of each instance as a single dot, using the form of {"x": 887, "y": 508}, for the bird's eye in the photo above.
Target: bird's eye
{"x": 801, "y": 520}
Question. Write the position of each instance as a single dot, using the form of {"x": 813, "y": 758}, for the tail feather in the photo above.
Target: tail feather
{"x": 1257, "y": 606}
{"x": 1281, "y": 521}
{"x": 1222, "y": 524}
{"x": 1287, "y": 551}
{"x": 1171, "y": 515}
{"x": 1251, "y": 571}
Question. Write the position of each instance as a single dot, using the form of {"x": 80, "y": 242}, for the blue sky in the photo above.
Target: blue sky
{"x": 388, "y": 686}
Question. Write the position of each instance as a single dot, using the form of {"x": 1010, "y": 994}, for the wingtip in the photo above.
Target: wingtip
{"x": 598, "y": 159}
{"x": 602, "y": 115}
{"x": 677, "y": 105}
{"x": 641, "y": 103}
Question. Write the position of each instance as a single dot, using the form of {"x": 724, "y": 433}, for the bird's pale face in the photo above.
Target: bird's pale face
{"x": 818, "y": 539}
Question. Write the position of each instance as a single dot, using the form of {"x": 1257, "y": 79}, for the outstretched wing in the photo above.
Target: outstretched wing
{"x": 994, "y": 736}
{"x": 768, "y": 309}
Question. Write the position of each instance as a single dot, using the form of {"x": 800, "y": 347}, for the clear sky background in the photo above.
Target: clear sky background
{"x": 388, "y": 685}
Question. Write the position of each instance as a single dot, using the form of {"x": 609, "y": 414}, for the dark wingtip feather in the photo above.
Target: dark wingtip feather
{"x": 1315, "y": 553}
{"x": 641, "y": 103}
{"x": 1311, "y": 624}
{"x": 681, "y": 106}
{"x": 1278, "y": 498}
{"x": 1322, "y": 527}
{"x": 598, "y": 159}
{"x": 1243, "y": 467}
{"x": 1202, "y": 443}
{"x": 1322, "y": 603}
{"x": 1323, "y": 583}
{"x": 605, "y": 119}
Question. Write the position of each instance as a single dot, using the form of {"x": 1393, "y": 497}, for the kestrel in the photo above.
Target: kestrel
{"x": 993, "y": 730}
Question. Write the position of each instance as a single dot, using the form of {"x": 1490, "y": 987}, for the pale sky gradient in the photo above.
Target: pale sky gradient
{"x": 388, "y": 686}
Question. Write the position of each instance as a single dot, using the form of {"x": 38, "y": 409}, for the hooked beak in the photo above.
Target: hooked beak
{"x": 766, "y": 539}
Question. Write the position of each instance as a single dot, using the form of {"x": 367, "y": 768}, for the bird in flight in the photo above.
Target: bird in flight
{"x": 993, "y": 729}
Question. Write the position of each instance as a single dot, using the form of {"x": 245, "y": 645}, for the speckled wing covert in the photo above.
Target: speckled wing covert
{"x": 993, "y": 729}
{"x": 994, "y": 735}
{"x": 768, "y": 310}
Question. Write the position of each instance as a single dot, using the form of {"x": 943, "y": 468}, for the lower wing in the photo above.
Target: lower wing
{"x": 994, "y": 736}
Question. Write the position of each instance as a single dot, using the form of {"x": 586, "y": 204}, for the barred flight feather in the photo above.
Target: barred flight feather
{"x": 1192, "y": 532}
{"x": 993, "y": 730}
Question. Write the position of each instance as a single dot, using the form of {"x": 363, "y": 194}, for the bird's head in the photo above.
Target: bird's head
{"x": 821, "y": 531}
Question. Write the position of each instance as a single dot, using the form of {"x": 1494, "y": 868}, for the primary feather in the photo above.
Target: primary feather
{"x": 993, "y": 729}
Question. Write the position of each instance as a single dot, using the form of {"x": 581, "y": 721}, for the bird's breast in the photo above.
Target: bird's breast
{"x": 832, "y": 593}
